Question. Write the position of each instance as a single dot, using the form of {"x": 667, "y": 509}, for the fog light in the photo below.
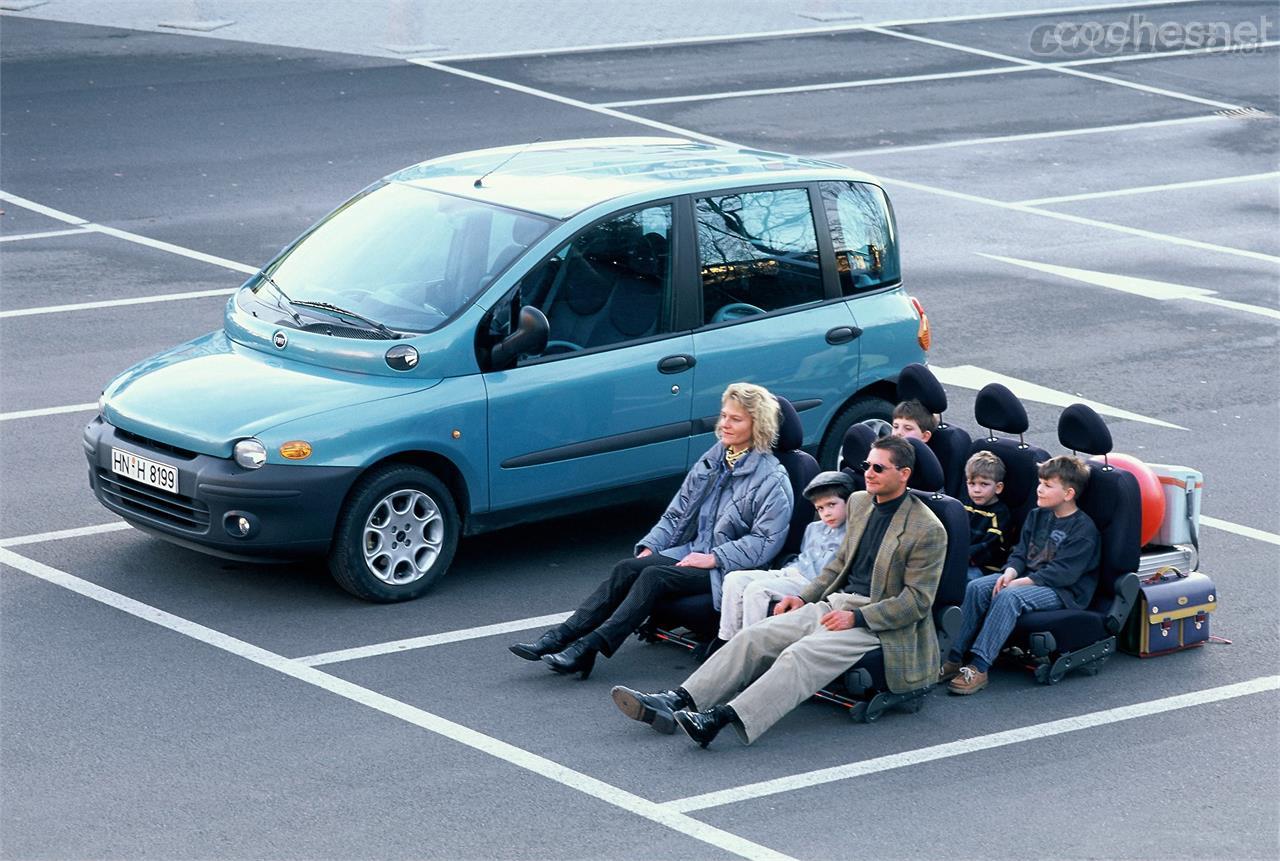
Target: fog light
{"x": 250, "y": 453}
{"x": 297, "y": 449}
{"x": 240, "y": 524}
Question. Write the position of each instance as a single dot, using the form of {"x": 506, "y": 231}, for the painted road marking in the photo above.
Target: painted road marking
{"x": 1237, "y": 529}
{"x": 1077, "y": 219}
{"x": 576, "y": 780}
{"x": 974, "y": 378}
{"x": 1161, "y": 291}
{"x": 113, "y": 303}
{"x": 1049, "y": 67}
{"x": 47, "y": 411}
{"x": 126, "y": 235}
{"x": 64, "y": 534}
{"x": 44, "y": 234}
{"x": 962, "y": 747}
{"x": 1028, "y": 136}
{"x": 801, "y": 31}
{"x": 1147, "y": 189}
{"x": 458, "y": 636}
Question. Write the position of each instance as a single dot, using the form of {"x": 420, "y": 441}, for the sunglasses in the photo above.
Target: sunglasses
{"x": 875, "y": 467}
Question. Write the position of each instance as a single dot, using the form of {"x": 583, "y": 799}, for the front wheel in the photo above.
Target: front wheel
{"x": 395, "y": 536}
{"x": 863, "y": 409}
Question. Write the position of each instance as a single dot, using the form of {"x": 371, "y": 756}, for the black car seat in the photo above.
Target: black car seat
{"x": 635, "y": 308}
{"x": 997, "y": 409}
{"x": 951, "y": 444}
{"x": 863, "y": 687}
{"x": 1056, "y": 642}
{"x": 695, "y": 613}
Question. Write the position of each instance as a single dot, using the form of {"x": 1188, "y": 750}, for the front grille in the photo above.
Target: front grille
{"x": 126, "y": 436}
{"x": 184, "y": 512}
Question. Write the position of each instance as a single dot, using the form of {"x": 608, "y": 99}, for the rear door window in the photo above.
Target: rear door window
{"x": 863, "y": 234}
{"x": 758, "y": 252}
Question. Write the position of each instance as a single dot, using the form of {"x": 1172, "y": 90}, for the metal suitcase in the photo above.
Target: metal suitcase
{"x": 1172, "y": 614}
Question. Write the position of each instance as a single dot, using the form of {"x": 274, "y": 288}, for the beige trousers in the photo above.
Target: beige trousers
{"x": 780, "y": 663}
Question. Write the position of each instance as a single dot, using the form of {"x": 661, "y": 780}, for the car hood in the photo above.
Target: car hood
{"x": 209, "y": 393}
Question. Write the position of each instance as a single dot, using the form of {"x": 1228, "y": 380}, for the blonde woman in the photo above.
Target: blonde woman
{"x": 732, "y": 512}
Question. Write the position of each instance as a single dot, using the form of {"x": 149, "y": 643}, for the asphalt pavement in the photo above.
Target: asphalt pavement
{"x": 156, "y": 703}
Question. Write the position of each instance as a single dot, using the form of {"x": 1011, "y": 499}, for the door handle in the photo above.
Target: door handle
{"x": 677, "y": 363}
{"x": 842, "y": 334}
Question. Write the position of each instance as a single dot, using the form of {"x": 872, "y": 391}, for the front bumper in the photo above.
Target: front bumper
{"x": 291, "y": 509}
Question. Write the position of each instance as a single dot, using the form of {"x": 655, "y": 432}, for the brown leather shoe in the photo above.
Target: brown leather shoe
{"x": 949, "y": 671}
{"x": 970, "y": 681}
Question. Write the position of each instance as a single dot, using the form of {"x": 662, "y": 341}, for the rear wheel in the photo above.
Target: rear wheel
{"x": 863, "y": 409}
{"x": 396, "y": 534}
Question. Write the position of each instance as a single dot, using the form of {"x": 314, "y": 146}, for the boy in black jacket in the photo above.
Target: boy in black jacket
{"x": 988, "y": 516}
{"x": 1055, "y": 565}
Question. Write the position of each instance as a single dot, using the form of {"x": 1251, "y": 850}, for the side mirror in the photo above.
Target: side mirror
{"x": 530, "y": 336}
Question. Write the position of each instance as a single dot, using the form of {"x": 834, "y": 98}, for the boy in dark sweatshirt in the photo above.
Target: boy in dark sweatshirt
{"x": 1053, "y": 566}
{"x": 988, "y": 516}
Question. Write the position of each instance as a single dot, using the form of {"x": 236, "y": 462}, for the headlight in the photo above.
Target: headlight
{"x": 250, "y": 453}
{"x": 102, "y": 402}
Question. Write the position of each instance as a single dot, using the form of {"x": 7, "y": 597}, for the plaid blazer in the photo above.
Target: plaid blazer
{"x": 904, "y": 580}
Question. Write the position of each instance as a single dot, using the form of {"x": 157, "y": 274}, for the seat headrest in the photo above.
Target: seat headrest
{"x": 857, "y": 445}
{"x": 790, "y": 430}
{"x": 526, "y": 230}
{"x": 917, "y": 382}
{"x": 1082, "y": 429}
{"x": 997, "y": 408}
{"x": 926, "y": 475}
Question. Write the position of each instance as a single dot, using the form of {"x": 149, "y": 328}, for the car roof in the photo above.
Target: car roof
{"x": 561, "y": 178}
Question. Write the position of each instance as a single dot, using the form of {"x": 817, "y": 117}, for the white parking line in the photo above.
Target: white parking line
{"x": 1087, "y": 222}
{"x": 576, "y": 780}
{"x": 1029, "y": 136}
{"x": 113, "y": 303}
{"x": 913, "y": 79}
{"x": 126, "y": 235}
{"x": 802, "y": 31}
{"x": 47, "y": 411}
{"x": 974, "y": 378}
{"x": 565, "y": 100}
{"x": 966, "y": 746}
{"x": 1237, "y": 529}
{"x": 1161, "y": 291}
{"x": 1148, "y": 189}
{"x": 44, "y": 234}
{"x": 457, "y": 636}
{"x": 64, "y": 534}
{"x": 1049, "y": 67}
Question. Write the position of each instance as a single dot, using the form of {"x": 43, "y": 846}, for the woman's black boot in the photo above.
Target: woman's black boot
{"x": 578, "y": 658}
{"x": 703, "y": 726}
{"x": 551, "y": 641}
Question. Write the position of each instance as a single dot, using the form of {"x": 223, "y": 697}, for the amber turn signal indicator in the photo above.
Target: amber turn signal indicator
{"x": 296, "y": 450}
{"x": 924, "y": 335}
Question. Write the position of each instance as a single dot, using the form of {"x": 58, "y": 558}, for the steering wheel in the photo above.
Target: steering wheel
{"x": 735, "y": 311}
{"x": 554, "y": 347}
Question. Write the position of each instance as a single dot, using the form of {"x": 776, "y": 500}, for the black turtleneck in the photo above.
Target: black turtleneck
{"x": 864, "y": 559}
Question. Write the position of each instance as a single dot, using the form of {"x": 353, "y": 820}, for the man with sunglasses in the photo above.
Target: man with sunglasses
{"x": 877, "y": 592}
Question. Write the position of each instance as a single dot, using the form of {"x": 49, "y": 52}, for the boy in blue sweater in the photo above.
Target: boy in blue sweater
{"x": 1053, "y": 566}
{"x": 746, "y": 594}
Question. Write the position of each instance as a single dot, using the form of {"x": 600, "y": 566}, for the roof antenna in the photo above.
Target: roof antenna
{"x": 479, "y": 183}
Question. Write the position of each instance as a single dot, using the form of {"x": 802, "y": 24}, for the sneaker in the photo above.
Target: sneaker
{"x": 970, "y": 681}
{"x": 949, "y": 671}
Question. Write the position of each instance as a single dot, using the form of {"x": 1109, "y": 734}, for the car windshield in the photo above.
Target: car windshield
{"x": 403, "y": 256}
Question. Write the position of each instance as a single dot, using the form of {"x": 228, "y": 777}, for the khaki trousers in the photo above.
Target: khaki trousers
{"x": 780, "y": 663}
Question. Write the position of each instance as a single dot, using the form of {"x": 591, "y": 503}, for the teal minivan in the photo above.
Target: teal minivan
{"x": 506, "y": 335}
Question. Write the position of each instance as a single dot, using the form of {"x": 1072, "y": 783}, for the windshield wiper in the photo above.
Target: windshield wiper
{"x": 373, "y": 324}
{"x": 287, "y": 307}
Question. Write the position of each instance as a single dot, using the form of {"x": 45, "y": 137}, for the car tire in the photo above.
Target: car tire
{"x": 859, "y": 410}
{"x": 395, "y": 536}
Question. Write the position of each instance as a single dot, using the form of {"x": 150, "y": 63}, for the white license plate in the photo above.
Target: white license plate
{"x": 147, "y": 472}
